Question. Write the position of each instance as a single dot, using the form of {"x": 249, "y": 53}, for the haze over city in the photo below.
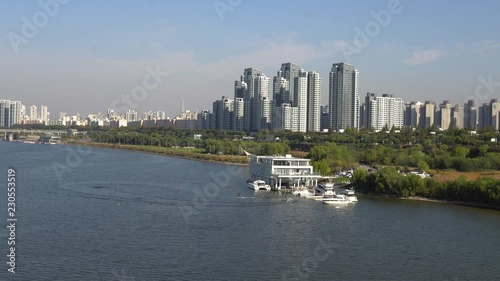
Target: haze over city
{"x": 425, "y": 50}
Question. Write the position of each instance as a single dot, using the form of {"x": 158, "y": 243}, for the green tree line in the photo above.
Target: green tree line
{"x": 389, "y": 181}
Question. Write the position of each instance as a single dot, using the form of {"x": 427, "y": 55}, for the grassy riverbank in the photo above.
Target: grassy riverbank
{"x": 188, "y": 153}
{"x": 479, "y": 192}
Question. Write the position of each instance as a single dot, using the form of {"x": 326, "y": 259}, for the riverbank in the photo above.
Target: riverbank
{"x": 184, "y": 153}
{"x": 434, "y": 200}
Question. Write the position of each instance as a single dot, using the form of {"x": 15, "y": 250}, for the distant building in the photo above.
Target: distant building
{"x": 427, "y": 112}
{"x": 313, "y": 102}
{"x": 325, "y": 118}
{"x": 412, "y": 114}
{"x": 470, "y": 115}
{"x": 223, "y": 113}
{"x": 10, "y": 113}
{"x": 457, "y": 117}
{"x": 344, "y": 97}
{"x": 205, "y": 120}
{"x": 444, "y": 121}
{"x": 383, "y": 111}
{"x": 286, "y": 117}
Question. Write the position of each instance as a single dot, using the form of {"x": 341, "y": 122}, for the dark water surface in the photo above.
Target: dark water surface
{"x": 98, "y": 214}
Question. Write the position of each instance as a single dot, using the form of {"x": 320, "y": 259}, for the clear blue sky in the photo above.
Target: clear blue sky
{"x": 90, "y": 52}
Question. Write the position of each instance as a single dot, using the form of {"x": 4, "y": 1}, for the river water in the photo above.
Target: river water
{"x": 98, "y": 214}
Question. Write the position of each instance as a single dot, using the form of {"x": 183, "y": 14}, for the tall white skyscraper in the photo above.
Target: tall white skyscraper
{"x": 239, "y": 110}
{"x": 262, "y": 101}
{"x": 300, "y": 99}
{"x": 251, "y": 102}
{"x": 344, "y": 96}
{"x": 33, "y": 112}
{"x": 44, "y": 113}
{"x": 313, "y": 102}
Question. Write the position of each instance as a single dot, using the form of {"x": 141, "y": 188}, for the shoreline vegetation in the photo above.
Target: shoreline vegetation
{"x": 483, "y": 192}
{"x": 418, "y": 189}
{"x": 192, "y": 154}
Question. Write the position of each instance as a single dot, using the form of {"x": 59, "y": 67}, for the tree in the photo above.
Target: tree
{"x": 322, "y": 167}
{"x": 422, "y": 165}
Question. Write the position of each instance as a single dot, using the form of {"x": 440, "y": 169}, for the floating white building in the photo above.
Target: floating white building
{"x": 279, "y": 171}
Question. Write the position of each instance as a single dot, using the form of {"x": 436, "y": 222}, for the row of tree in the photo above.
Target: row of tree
{"x": 232, "y": 146}
{"x": 389, "y": 181}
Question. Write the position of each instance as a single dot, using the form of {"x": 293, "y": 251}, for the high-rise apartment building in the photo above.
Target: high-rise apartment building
{"x": 344, "y": 96}
{"x": 412, "y": 114}
{"x": 445, "y": 115}
{"x": 251, "y": 104}
{"x": 313, "y": 102}
{"x": 300, "y": 99}
{"x": 286, "y": 117}
{"x": 10, "y": 113}
{"x": 44, "y": 113}
{"x": 427, "y": 112}
{"x": 239, "y": 111}
{"x": 223, "y": 110}
{"x": 383, "y": 112}
{"x": 470, "y": 115}
{"x": 33, "y": 112}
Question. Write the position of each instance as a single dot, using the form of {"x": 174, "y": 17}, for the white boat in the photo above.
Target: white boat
{"x": 259, "y": 185}
{"x": 324, "y": 190}
{"x": 350, "y": 194}
{"x": 336, "y": 199}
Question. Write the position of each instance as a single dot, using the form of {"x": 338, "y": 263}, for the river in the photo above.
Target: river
{"x": 98, "y": 214}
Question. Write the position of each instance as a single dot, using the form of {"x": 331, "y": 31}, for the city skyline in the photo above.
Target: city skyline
{"x": 74, "y": 67}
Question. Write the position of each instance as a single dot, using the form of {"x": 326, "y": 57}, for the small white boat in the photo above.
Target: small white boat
{"x": 336, "y": 199}
{"x": 324, "y": 190}
{"x": 259, "y": 185}
{"x": 351, "y": 195}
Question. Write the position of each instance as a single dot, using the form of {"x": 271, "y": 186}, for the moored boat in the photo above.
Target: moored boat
{"x": 351, "y": 195}
{"x": 259, "y": 185}
{"x": 336, "y": 199}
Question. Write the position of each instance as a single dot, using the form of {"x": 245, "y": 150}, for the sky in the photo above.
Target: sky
{"x": 84, "y": 56}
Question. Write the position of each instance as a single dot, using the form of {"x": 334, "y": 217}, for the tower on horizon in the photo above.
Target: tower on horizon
{"x": 343, "y": 97}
